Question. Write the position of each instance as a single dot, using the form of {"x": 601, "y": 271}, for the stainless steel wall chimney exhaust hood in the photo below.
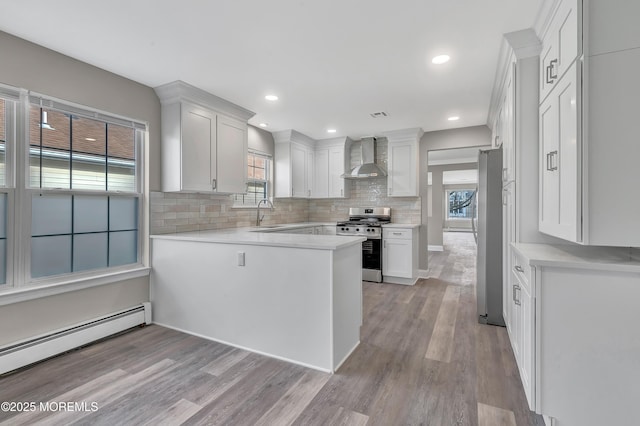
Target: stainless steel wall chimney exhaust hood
{"x": 368, "y": 168}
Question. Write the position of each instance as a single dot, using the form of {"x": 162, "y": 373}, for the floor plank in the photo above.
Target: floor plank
{"x": 441, "y": 344}
{"x": 494, "y": 416}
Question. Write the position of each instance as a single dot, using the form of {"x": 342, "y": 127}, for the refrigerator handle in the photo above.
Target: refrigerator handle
{"x": 473, "y": 215}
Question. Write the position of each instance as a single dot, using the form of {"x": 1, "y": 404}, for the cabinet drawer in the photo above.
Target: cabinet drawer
{"x": 403, "y": 234}
{"x": 521, "y": 269}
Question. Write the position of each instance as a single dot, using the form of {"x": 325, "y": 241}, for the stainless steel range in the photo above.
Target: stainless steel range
{"x": 367, "y": 222}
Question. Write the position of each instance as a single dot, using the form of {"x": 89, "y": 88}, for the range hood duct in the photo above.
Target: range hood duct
{"x": 368, "y": 168}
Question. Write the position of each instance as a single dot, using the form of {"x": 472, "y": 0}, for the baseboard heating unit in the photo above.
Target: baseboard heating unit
{"x": 26, "y": 352}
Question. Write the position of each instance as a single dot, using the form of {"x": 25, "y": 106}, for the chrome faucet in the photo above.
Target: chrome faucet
{"x": 258, "y": 218}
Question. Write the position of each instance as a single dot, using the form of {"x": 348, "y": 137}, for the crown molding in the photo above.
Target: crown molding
{"x": 413, "y": 134}
{"x": 179, "y": 91}
{"x": 341, "y": 141}
{"x": 291, "y": 135}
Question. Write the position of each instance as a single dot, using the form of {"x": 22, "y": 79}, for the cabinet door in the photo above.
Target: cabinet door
{"x": 321, "y": 174}
{"x": 527, "y": 322}
{"x": 396, "y": 258}
{"x": 403, "y": 170}
{"x": 198, "y": 162}
{"x": 231, "y": 167}
{"x": 559, "y": 191}
{"x": 336, "y": 170}
{"x": 309, "y": 173}
{"x": 298, "y": 171}
{"x": 516, "y": 317}
{"x": 560, "y": 47}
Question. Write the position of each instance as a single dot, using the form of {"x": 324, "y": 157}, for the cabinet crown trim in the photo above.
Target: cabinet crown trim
{"x": 179, "y": 91}
{"x": 525, "y": 43}
{"x": 402, "y": 135}
{"x": 291, "y": 135}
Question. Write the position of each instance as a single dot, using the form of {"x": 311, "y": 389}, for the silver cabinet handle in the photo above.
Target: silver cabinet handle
{"x": 384, "y": 244}
{"x": 552, "y": 67}
{"x": 342, "y": 192}
{"x": 516, "y": 288}
{"x": 397, "y": 233}
{"x": 519, "y": 268}
{"x": 553, "y": 155}
{"x": 548, "y": 75}
{"x": 214, "y": 184}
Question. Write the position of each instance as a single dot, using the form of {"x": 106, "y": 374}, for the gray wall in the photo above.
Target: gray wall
{"x": 36, "y": 68}
{"x": 442, "y": 139}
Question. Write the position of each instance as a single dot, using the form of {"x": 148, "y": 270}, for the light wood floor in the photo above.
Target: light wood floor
{"x": 423, "y": 360}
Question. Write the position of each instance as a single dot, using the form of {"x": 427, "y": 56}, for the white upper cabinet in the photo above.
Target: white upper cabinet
{"x": 204, "y": 141}
{"x": 293, "y": 164}
{"x": 321, "y": 174}
{"x": 588, "y": 125}
{"x": 560, "y": 46}
{"x": 402, "y": 162}
{"x": 305, "y": 168}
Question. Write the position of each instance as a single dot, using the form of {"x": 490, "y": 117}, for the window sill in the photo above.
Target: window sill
{"x": 37, "y": 291}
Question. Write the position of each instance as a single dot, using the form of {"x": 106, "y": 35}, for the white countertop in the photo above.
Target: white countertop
{"x": 267, "y": 236}
{"x": 583, "y": 257}
{"x": 401, "y": 225}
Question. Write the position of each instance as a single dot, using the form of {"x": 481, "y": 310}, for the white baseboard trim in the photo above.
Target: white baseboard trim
{"x": 314, "y": 367}
{"x": 435, "y": 248}
{"x": 423, "y": 273}
{"x": 398, "y": 280}
{"x": 29, "y": 351}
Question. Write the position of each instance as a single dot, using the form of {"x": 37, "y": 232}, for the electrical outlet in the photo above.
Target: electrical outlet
{"x": 240, "y": 258}
{"x": 223, "y": 208}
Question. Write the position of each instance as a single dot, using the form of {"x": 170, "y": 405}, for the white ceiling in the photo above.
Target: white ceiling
{"x": 331, "y": 62}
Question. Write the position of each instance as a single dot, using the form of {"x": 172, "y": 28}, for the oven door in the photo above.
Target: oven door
{"x": 372, "y": 260}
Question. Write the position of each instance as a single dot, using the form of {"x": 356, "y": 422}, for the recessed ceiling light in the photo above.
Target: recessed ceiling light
{"x": 90, "y": 139}
{"x": 453, "y": 118}
{"x": 331, "y": 130}
{"x": 440, "y": 59}
{"x": 263, "y": 124}
{"x": 271, "y": 97}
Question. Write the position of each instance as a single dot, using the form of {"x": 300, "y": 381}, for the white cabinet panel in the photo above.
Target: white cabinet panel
{"x": 397, "y": 258}
{"x": 298, "y": 171}
{"x": 560, "y": 46}
{"x": 560, "y": 207}
{"x": 231, "y": 175}
{"x": 321, "y": 174}
{"x": 198, "y": 148}
{"x": 402, "y": 169}
{"x": 337, "y": 167}
{"x": 400, "y": 255}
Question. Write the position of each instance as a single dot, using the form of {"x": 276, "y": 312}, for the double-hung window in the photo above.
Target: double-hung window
{"x": 258, "y": 180}
{"x": 9, "y": 100}
{"x": 83, "y": 189}
{"x": 71, "y": 192}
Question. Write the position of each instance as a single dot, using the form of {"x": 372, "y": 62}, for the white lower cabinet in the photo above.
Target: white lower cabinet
{"x": 574, "y": 331}
{"x": 520, "y": 324}
{"x": 400, "y": 255}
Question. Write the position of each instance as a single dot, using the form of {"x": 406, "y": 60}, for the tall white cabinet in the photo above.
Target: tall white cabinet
{"x": 589, "y": 89}
{"x": 402, "y": 162}
{"x": 204, "y": 141}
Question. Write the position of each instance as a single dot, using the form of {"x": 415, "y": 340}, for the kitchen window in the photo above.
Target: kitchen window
{"x": 460, "y": 204}
{"x": 258, "y": 180}
{"x": 76, "y": 176}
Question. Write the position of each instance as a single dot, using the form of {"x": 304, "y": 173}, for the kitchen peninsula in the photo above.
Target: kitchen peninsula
{"x": 294, "y": 297}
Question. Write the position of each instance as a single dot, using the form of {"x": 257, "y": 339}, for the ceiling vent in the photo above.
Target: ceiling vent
{"x": 379, "y": 114}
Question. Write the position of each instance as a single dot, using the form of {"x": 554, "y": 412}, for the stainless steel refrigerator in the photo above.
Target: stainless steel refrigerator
{"x": 489, "y": 237}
